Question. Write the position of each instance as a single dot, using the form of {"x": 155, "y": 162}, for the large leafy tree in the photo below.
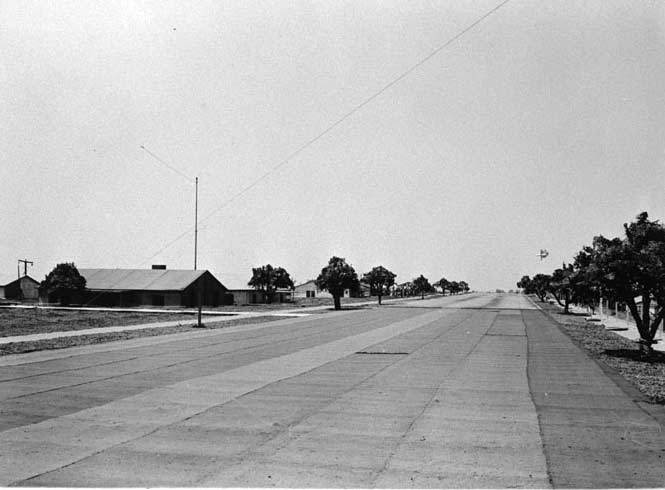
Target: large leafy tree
{"x": 464, "y": 286}
{"x": 64, "y": 282}
{"x": 379, "y": 279}
{"x": 336, "y": 277}
{"x": 268, "y": 279}
{"x": 635, "y": 267}
{"x": 541, "y": 284}
{"x": 421, "y": 286}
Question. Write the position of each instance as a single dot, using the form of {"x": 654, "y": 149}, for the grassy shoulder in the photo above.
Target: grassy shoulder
{"x": 15, "y": 321}
{"x": 64, "y": 342}
{"x": 647, "y": 374}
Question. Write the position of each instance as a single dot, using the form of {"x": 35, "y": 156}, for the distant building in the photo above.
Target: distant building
{"x": 151, "y": 287}
{"x": 309, "y": 289}
{"x": 21, "y": 289}
{"x": 247, "y": 295}
{"x": 363, "y": 290}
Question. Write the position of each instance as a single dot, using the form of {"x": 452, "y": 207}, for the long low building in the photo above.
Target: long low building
{"x": 247, "y": 295}
{"x": 151, "y": 287}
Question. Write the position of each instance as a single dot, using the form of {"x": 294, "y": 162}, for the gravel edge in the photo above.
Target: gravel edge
{"x": 614, "y": 352}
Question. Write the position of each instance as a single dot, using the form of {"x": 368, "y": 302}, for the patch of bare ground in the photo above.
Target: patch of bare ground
{"x": 646, "y": 373}
{"x": 61, "y": 343}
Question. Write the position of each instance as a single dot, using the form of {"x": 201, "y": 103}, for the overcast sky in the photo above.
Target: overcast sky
{"x": 540, "y": 127}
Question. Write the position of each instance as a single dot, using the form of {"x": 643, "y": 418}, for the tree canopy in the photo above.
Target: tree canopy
{"x": 444, "y": 284}
{"x": 63, "y": 283}
{"x": 541, "y": 284}
{"x": 634, "y": 267}
{"x": 379, "y": 280}
{"x": 561, "y": 286}
{"x": 620, "y": 269}
{"x": 421, "y": 286}
{"x": 336, "y": 277}
{"x": 268, "y": 279}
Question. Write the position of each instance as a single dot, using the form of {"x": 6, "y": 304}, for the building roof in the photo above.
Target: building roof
{"x": 139, "y": 279}
{"x": 234, "y": 283}
{"x": 306, "y": 282}
{"x": 6, "y": 280}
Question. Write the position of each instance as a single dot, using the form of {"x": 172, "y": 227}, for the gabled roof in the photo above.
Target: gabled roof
{"x": 6, "y": 280}
{"x": 306, "y": 282}
{"x": 139, "y": 279}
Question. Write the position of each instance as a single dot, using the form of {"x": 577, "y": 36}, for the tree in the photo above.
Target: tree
{"x": 63, "y": 283}
{"x": 634, "y": 267}
{"x": 379, "y": 279}
{"x": 454, "y": 287}
{"x": 268, "y": 279}
{"x": 541, "y": 284}
{"x": 421, "y": 286}
{"x": 586, "y": 289}
{"x": 526, "y": 285}
{"x": 464, "y": 286}
{"x": 444, "y": 284}
{"x": 561, "y": 286}
{"x": 336, "y": 277}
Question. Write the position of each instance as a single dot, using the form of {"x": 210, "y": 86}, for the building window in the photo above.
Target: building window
{"x": 310, "y": 294}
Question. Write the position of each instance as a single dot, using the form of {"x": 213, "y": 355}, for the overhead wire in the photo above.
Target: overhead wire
{"x": 336, "y": 123}
{"x": 166, "y": 164}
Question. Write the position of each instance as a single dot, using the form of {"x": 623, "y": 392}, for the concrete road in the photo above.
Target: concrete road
{"x": 473, "y": 391}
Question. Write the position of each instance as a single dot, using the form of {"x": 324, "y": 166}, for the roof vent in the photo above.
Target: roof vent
{"x": 159, "y": 266}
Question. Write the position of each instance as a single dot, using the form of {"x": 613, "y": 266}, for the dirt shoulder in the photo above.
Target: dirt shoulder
{"x": 647, "y": 374}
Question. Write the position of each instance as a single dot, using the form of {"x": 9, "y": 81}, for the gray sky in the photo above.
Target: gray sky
{"x": 539, "y": 128}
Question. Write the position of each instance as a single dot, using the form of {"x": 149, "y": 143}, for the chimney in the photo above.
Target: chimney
{"x": 159, "y": 266}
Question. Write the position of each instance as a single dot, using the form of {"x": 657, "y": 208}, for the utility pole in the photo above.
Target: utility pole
{"x": 25, "y": 267}
{"x": 196, "y": 237}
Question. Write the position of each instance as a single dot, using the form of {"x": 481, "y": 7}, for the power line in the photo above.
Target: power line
{"x": 336, "y": 123}
{"x": 356, "y": 109}
{"x": 189, "y": 179}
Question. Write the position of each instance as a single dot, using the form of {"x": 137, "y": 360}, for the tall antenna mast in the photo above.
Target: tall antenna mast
{"x": 196, "y": 219}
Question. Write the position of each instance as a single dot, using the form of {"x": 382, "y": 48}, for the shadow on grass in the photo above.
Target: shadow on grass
{"x": 637, "y": 355}
{"x": 349, "y": 308}
{"x": 572, "y": 314}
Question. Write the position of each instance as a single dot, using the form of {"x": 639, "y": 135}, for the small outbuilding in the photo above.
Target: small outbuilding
{"x": 309, "y": 289}
{"x": 21, "y": 289}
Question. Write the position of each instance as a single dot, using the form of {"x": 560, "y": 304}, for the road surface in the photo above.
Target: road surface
{"x": 469, "y": 391}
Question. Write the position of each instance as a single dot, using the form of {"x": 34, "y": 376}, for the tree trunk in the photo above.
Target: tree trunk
{"x": 338, "y": 303}
{"x": 556, "y": 297}
{"x": 644, "y": 326}
{"x": 379, "y": 299}
{"x": 422, "y": 295}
